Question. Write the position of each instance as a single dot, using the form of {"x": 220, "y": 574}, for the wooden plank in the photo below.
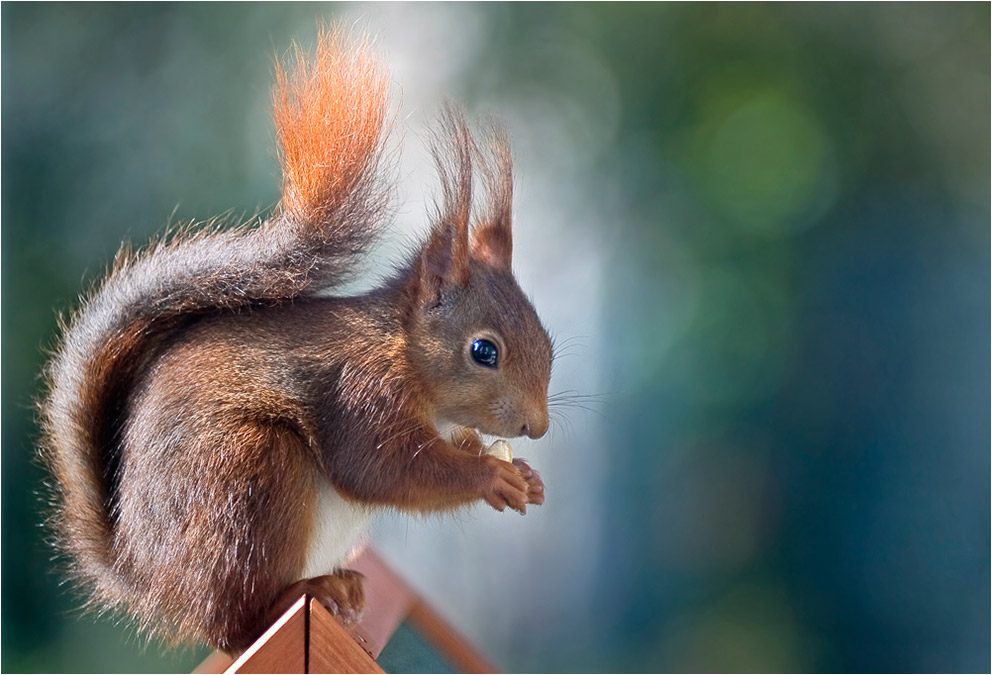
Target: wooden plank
{"x": 388, "y": 601}
{"x": 308, "y": 637}
{"x": 332, "y": 649}
{"x": 447, "y": 640}
{"x": 282, "y": 648}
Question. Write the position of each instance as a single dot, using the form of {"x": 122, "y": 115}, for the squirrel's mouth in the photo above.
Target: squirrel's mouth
{"x": 451, "y": 432}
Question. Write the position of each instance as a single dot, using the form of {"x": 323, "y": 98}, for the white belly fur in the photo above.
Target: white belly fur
{"x": 338, "y": 528}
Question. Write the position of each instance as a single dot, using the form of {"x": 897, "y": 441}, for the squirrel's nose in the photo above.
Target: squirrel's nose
{"x": 535, "y": 428}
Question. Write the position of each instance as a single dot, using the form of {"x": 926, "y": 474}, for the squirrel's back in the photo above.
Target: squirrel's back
{"x": 331, "y": 115}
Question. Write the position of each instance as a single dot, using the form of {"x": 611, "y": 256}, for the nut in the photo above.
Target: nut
{"x": 501, "y": 450}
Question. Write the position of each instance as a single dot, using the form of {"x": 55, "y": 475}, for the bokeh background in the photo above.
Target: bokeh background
{"x": 761, "y": 233}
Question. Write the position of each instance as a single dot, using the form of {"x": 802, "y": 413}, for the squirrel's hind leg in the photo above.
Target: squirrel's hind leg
{"x": 215, "y": 517}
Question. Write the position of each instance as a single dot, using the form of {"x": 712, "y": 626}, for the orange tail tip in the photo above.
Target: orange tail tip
{"x": 330, "y": 114}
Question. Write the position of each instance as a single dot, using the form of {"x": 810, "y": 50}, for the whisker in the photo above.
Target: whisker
{"x": 565, "y": 404}
{"x": 562, "y": 421}
{"x": 560, "y": 349}
{"x": 573, "y": 394}
{"x": 571, "y": 350}
{"x": 588, "y": 409}
{"x": 572, "y": 341}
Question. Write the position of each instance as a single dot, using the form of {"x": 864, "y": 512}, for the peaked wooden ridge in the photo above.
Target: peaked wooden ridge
{"x": 308, "y": 639}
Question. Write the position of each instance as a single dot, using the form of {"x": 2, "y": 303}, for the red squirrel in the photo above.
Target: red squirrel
{"x": 219, "y": 432}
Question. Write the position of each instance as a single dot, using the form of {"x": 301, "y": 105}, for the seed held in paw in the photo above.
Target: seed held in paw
{"x": 501, "y": 450}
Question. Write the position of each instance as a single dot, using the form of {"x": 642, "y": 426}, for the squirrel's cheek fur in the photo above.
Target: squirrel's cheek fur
{"x": 219, "y": 435}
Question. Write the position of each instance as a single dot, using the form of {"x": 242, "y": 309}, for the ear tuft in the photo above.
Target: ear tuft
{"x": 444, "y": 257}
{"x": 492, "y": 239}
{"x": 452, "y": 147}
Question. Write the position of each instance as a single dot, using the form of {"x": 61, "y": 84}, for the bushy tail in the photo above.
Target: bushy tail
{"x": 330, "y": 115}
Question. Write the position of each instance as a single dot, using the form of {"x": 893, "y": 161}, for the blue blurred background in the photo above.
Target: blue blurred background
{"x": 760, "y": 231}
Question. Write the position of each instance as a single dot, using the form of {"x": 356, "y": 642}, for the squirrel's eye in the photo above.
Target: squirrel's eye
{"x": 485, "y": 353}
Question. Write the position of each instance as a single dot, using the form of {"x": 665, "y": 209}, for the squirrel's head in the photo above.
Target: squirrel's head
{"x": 473, "y": 336}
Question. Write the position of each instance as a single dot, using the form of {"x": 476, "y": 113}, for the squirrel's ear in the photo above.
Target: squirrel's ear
{"x": 492, "y": 243}
{"x": 444, "y": 257}
{"x": 492, "y": 238}
{"x": 443, "y": 261}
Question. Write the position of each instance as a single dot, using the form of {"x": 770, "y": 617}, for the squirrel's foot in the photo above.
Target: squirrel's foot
{"x": 340, "y": 593}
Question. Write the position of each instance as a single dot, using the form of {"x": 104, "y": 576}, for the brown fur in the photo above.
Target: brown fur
{"x": 201, "y": 392}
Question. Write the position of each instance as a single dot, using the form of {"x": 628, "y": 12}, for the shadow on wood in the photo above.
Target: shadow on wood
{"x": 308, "y": 639}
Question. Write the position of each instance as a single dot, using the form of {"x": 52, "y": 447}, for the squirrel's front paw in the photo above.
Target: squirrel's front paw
{"x": 535, "y": 486}
{"x": 506, "y": 486}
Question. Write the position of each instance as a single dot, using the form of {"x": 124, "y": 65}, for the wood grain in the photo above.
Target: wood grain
{"x": 332, "y": 649}
{"x": 282, "y": 648}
